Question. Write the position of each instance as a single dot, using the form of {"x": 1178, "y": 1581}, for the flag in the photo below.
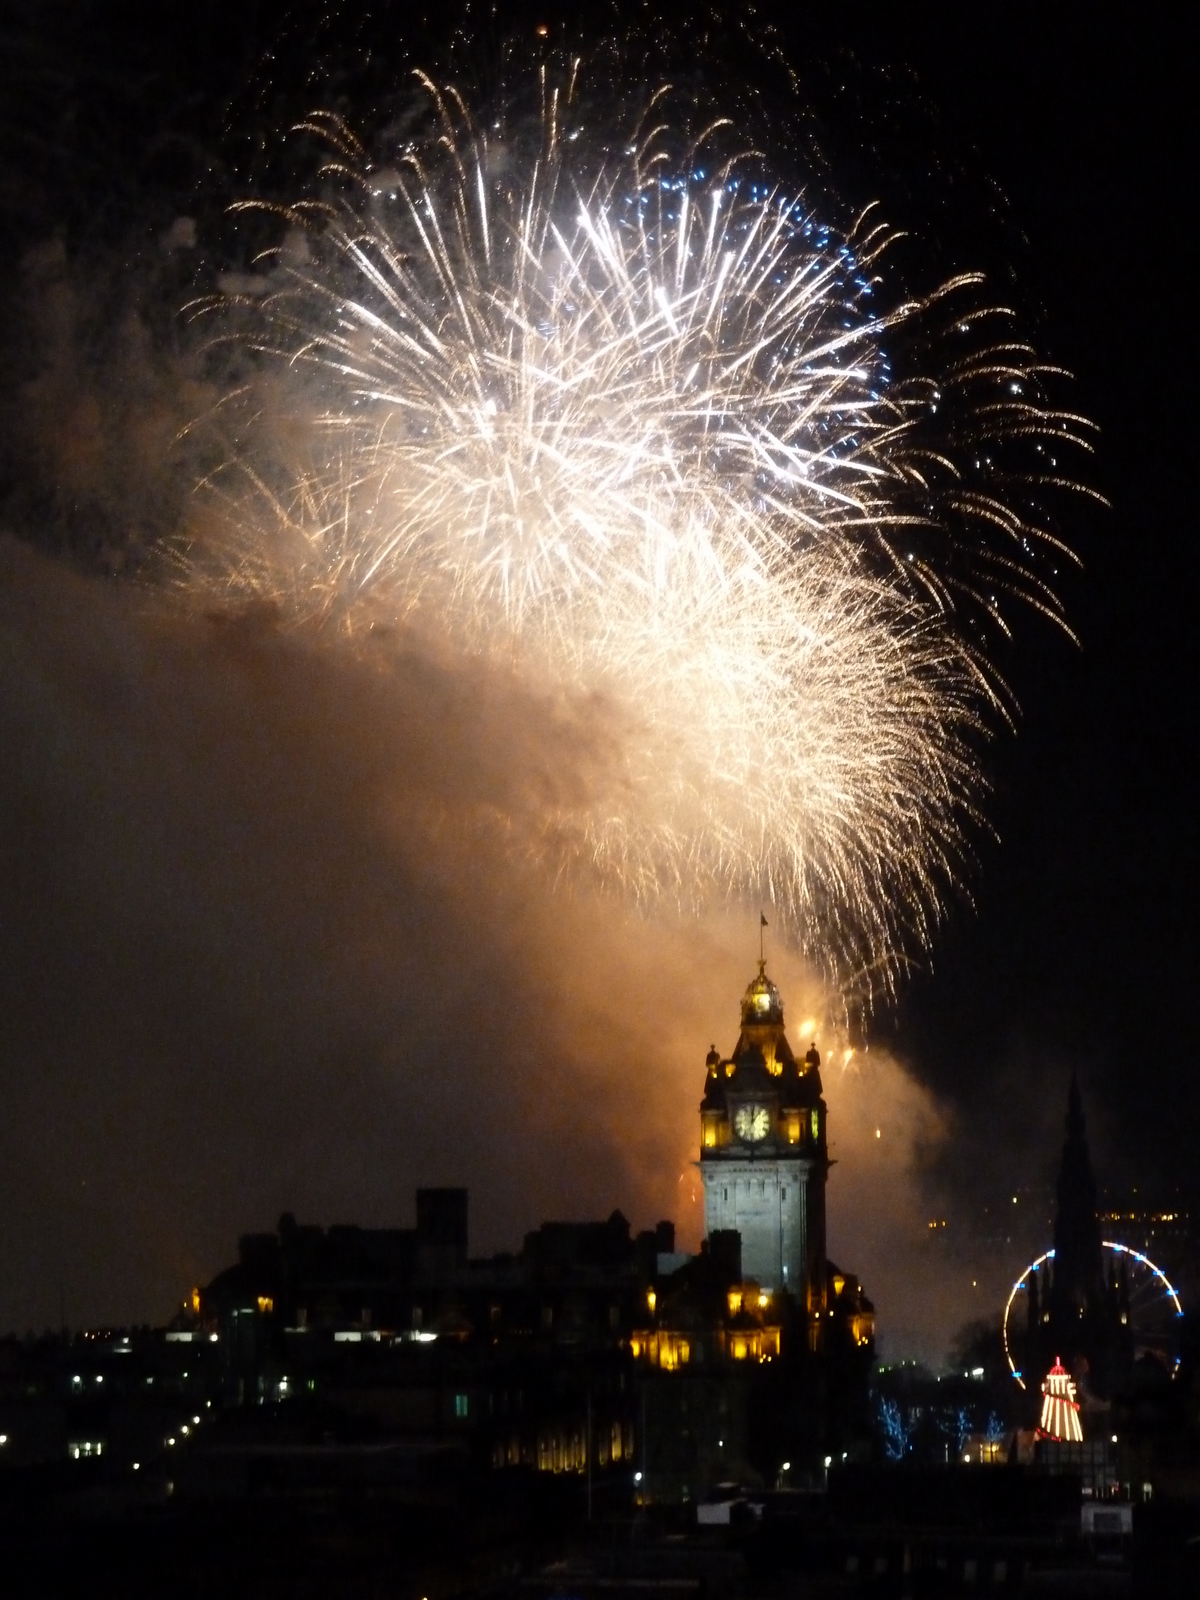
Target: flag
{"x": 762, "y": 919}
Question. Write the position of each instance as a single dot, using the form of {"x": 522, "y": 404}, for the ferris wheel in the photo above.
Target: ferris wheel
{"x": 1155, "y": 1312}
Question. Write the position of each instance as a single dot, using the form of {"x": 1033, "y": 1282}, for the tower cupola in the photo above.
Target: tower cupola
{"x": 762, "y": 1002}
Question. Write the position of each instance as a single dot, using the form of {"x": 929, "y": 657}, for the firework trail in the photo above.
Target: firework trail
{"x": 611, "y": 410}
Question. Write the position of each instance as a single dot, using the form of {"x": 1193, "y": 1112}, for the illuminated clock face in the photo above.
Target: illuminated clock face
{"x": 752, "y": 1123}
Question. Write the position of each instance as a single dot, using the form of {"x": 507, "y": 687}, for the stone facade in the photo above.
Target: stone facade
{"x": 766, "y": 1202}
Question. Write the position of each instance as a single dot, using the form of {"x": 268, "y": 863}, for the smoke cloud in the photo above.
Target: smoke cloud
{"x": 294, "y": 921}
{"x": 280, "y": 932}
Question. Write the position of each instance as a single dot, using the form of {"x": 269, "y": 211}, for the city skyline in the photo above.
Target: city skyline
{"x": 228, "y": 903}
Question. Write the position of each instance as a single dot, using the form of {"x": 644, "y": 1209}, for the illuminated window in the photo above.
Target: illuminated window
{"x": 673, "y": 1352}
{"x": 816, "y": 1123}
{"x": 265, "y": 1304}
{"x": 660, "y": 1349}
{"x": 460, "y": 1405}
{"x": 754, "y": 1344}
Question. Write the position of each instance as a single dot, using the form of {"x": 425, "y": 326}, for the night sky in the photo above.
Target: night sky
{"x": 255, "y": 950}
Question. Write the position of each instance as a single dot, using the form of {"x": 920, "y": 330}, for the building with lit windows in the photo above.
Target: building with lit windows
{"x": 590, "y": 1350}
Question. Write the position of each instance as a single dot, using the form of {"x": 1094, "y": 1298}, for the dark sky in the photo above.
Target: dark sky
{"x": 1083, "y": 948}
{"x": 258, "y": 954}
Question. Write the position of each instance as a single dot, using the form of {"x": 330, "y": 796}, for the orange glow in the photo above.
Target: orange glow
{"x": 194, "y": 1298}
{"x": 265, "y": 1304}
{"x": 862, "y": 1327}
{"x": 562, "y": 1450}
{"x": 755, "y": 1344}
{"x": 662, "y": 1349}
{"x": 651, "y": 1299}
{"x": 673, "y": 1352}
{"x": 735, "y": 1301}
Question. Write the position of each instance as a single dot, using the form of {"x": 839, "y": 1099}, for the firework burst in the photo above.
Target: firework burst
{"x": 621, "y": 415}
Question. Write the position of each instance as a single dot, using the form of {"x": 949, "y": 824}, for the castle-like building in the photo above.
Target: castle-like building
{"x": 591, "y": 1349}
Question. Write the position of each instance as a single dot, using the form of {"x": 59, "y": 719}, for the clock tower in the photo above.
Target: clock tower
{"x": 763, "y": 1151}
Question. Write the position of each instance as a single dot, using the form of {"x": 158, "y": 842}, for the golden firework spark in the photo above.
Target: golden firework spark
{"x": 626, "y": 422}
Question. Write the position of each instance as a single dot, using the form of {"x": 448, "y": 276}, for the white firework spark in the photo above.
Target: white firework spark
{"x": 626, "y": 424}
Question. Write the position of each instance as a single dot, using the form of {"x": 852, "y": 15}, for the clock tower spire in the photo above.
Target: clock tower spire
{"x": 763, "y": 1150}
